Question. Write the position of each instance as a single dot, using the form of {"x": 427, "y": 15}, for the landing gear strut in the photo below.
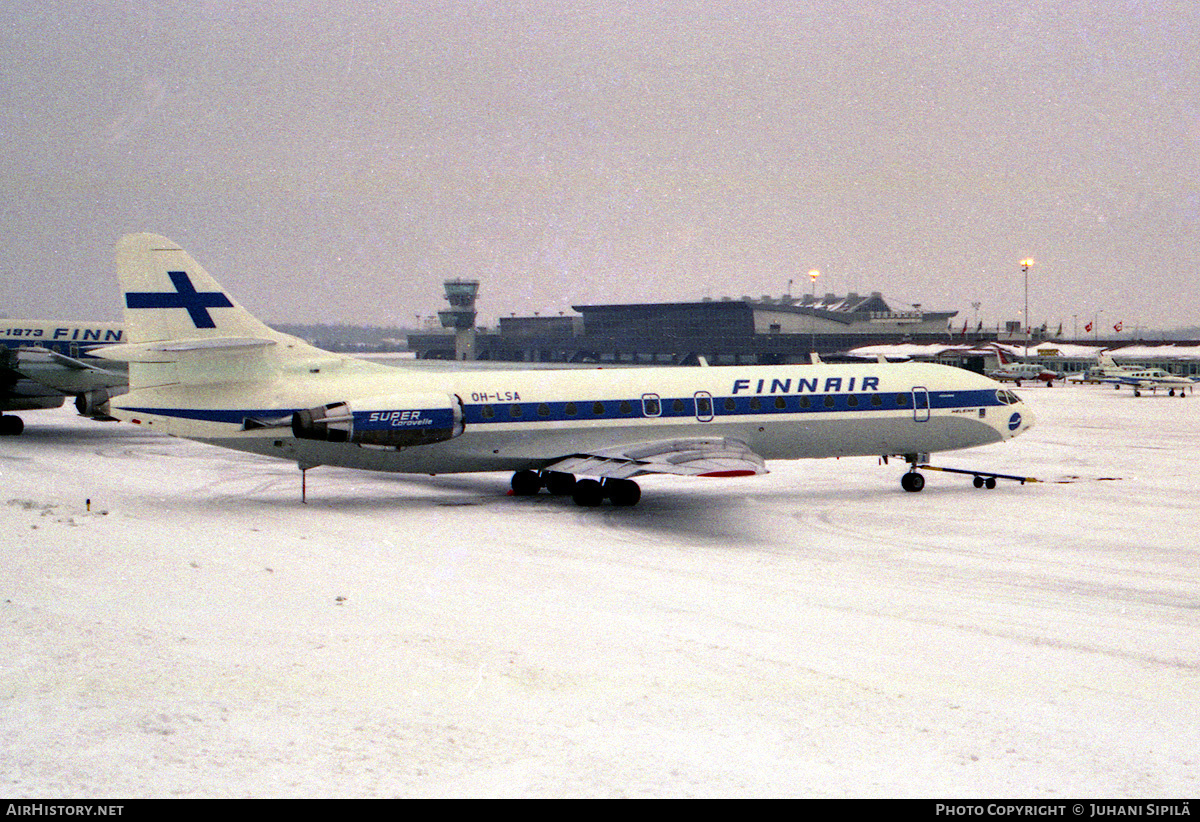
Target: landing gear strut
{"x": 587, "y": 493}
{"x": 912, "y": 481}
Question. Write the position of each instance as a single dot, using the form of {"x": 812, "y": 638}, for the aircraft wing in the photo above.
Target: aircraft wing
{"x": 18, "y": 392}
{"x": 1005, "y": 376}
{"x": 63, "y": 374}
{"x": 692, "y": 456}
{"x": 79, "y": 365}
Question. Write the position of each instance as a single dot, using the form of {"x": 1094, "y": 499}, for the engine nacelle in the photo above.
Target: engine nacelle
{"x": 94, "y": 403}
{"x": 392, "y": 421}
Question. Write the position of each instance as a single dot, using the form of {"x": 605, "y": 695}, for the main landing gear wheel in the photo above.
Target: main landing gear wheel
{"x": 10, "y": 426}
{"x": 526, "y": 483}
{"x": 912, "y": 482}
{"x": 586, "y": 492}
{"x": 622, "y": 492}
{"x": 560, "y": 484}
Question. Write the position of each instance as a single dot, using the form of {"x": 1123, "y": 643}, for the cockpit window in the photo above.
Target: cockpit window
{"x": 1007, "y": 397}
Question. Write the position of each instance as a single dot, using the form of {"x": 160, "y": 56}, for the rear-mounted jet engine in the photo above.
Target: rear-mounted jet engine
{"x": 393, "y": 421}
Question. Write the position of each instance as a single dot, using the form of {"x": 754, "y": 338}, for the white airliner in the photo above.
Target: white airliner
{"x": 202, "y": 367}
{"x": 42, "y": 362}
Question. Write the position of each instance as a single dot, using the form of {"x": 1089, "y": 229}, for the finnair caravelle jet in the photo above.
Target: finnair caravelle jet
{"x": 201, "y": 367}
{"x": 42, "y": 362}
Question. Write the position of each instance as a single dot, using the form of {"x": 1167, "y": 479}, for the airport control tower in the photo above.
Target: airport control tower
{"x": 461, "y": 316}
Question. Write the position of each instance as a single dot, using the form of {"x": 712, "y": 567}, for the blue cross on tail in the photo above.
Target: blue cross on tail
{"x": 185, "y": 296}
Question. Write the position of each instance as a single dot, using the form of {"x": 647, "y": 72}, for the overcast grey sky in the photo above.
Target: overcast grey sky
{"x": 335, "y": 161}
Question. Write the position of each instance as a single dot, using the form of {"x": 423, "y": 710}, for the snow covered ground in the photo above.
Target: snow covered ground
{"x": 815, "y": 632}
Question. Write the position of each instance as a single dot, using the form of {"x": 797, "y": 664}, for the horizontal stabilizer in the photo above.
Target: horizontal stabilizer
{"x": 175, "y": 350}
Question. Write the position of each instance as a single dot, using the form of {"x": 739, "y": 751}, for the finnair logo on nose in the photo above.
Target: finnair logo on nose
{"x": 1014, "y": 422}
{"x": 185, "y": 296}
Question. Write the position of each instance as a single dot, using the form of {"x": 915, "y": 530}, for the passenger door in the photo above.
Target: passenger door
{"x": 920, "y": 403}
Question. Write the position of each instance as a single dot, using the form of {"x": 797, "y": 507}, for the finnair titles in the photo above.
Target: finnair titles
{"x": 784, "y": 386}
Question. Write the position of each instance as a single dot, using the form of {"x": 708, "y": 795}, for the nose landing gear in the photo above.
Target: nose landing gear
{"x": 914, "y": 482}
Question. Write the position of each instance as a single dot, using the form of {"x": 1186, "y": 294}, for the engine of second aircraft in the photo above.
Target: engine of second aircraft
{"x": 94, "y": 403}
{"x": 392, "y": 421}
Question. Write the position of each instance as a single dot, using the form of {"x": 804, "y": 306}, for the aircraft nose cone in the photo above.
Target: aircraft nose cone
{"x": 1019, "y": 420}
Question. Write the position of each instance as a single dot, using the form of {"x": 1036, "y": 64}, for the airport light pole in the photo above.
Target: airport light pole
{"x": 1026, "y": 264}
{"x": 812, "y": 318}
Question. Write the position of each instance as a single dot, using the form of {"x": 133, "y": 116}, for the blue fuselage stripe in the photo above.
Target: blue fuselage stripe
{"x": 668, "y": 407}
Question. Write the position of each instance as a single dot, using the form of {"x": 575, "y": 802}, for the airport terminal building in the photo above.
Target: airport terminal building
{"x": 744, "y": 330}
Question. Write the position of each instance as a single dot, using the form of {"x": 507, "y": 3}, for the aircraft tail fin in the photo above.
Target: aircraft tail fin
{"x": 167, "y": 295}
{"x": 183, "y": 328}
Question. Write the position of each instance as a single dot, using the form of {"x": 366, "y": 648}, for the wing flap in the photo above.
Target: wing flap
{"x": 695, "y": 457}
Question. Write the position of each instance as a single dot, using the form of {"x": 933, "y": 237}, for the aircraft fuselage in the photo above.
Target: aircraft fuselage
{"x": 513, "y": 420}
